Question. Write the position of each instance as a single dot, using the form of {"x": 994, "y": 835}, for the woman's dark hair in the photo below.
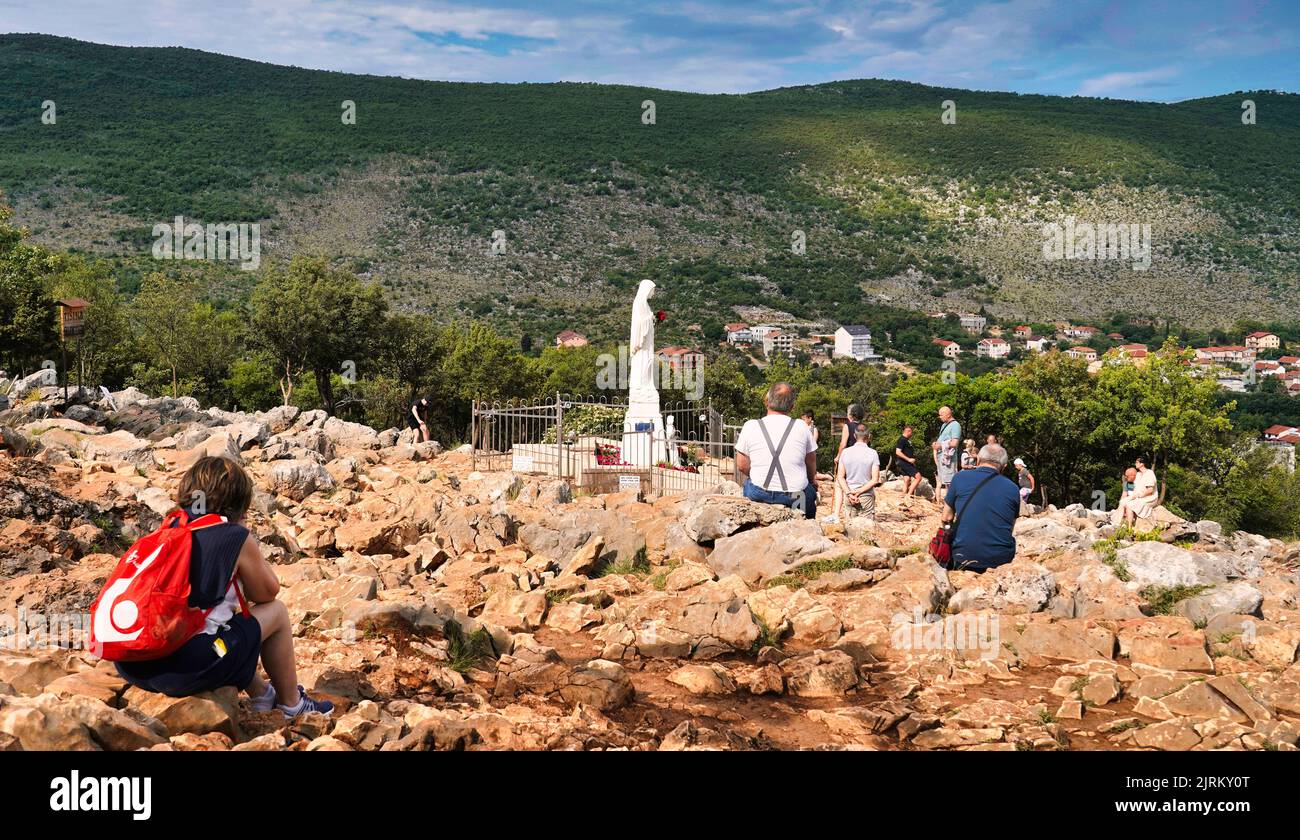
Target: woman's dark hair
{"x": 216, "y": 485}
{"x": 856, "y": 413}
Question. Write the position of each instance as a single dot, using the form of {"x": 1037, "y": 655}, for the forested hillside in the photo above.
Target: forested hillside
{"x": 900, "y": 210}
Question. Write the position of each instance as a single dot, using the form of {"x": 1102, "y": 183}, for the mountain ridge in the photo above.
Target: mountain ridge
{"x": 899, "y": 210}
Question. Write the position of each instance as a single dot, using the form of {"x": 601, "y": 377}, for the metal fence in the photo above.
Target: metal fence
{"x": 583, "y": 441}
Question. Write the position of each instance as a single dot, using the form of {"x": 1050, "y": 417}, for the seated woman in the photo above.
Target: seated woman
{"x": 227, "y": 570}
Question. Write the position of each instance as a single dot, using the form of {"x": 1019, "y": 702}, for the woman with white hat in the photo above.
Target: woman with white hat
{"x": 1025, "y": 479}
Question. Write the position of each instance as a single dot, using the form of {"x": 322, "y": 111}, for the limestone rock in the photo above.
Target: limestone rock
{"x": 1012, "y": 589}
{"x": 762, "y": 553}
{"x": 713, "y": 517}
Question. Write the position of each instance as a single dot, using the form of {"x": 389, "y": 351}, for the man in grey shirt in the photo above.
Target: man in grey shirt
{"x": 858, "y": 475}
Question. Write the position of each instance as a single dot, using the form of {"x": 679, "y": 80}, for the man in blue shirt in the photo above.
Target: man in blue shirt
{"x": 983, "y": 539}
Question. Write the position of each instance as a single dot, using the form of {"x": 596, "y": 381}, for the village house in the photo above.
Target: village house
{"x": 1037, "y": 343}
{"x": 950, "y": 349}
{"x": 1080, "y": 352}
{"x": 1282, "y": 434}
{"x": 1230, "y": 354}
{"x": 680, "y": 358}
{"x": 1263, "y": 341}
{"x": 993, "y": 348}
{"x": 1268, "y": 368}
{"x": 974, "y": 324}
{"x": 569, "y": 338}
{"x": 779, "y": 342}
{"x": 1024, "y": 332}
{"x": 739, "y": 333}
{"x": 854, "y": 342}
{"x": 1135, "y": 354}
{"x": 1080, "y": 333}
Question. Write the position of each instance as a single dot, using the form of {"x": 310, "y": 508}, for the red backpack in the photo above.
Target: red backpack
{"x": 143, "y": 611}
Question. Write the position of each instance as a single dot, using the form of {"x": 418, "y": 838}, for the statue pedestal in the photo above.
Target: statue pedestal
{"x": 643, "y": 430}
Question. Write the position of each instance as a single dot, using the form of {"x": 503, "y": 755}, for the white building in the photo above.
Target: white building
{"x": 993, "y": 348}
{"x": 739, "y": 333}
{"x": 854, "y": 342}
{"x": 974, "y": 324}
{"x": 1037, "y": 343}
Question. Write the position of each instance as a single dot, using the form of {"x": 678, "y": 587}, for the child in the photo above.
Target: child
{"x": 226, "y": 563}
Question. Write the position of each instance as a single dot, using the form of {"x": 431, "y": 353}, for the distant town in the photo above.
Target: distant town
{"x": 1262, "y": 363}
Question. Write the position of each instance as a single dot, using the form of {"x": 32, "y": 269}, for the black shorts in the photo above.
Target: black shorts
{"x": 906, "y": 469}
{"x": 411, "y": 422}
{"x": 198, "y": 666}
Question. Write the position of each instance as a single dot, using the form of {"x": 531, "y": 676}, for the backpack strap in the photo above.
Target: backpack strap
{"x": 957, "y": 519}
{"x": 775, "y": 466}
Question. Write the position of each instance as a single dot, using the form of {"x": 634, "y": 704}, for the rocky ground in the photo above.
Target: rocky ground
{"x": 443, "y": 608}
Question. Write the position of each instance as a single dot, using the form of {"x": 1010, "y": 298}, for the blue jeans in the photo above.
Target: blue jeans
{"x": 805, "y": 499}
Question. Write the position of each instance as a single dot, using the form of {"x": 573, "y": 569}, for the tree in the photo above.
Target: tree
{"x": 28, "y": 330}
{"x": 105, "y": 341}
{"x": 1159, "y": 411}
{"x": 313, "y": 318}
{"x": 1056, "y": 440}
{"x": 167, "y": 330}
{"x": 568, "y": 370}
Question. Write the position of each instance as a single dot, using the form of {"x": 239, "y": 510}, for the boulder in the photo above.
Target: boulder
{"x": 1159, "y": 564}
{"x": 600, "y": 684}
{"x": 763, "y": 553}
{"x": 298, "y": 478}
{"x": 704, "y": 679}
{"x": 562, "y": 536}
{"x": 1238, "y": 598}
{"x": 1178, "y": 652}
{"x": 119, "y": 446}
{"x": 822, "y": 673}
{"x": 211, "y": 711}
{"x": 715, "y": 516}
{"x": 348, "y": 435}
{"x": 1014, "y": 589}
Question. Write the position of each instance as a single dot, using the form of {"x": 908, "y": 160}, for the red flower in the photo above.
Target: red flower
{"x": 660, "y": 315}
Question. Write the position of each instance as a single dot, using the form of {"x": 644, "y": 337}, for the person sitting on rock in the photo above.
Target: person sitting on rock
{"x": 778, "y": 456}
{"x": 858, "y": 475}
{"x": 985, "y": 504}
{"x": 227, "y": 569}
{"x": 1141, "y": 501}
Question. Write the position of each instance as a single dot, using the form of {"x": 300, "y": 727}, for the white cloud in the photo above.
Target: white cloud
{"x": 1126, "y": 82}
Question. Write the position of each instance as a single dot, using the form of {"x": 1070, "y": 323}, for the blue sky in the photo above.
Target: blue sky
{"x": 1164, "y": 50}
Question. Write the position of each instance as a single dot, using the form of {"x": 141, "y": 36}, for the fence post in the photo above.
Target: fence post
{"x": 473, "y": 434}
{"x": 561, "y": 456}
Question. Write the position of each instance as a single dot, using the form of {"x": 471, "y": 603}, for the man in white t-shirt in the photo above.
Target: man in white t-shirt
{"x": 778, "y": 455}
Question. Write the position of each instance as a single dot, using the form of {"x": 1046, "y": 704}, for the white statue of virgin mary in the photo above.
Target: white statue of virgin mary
{"x": 643, "y": 425}
{"x": 641, "y": 369}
